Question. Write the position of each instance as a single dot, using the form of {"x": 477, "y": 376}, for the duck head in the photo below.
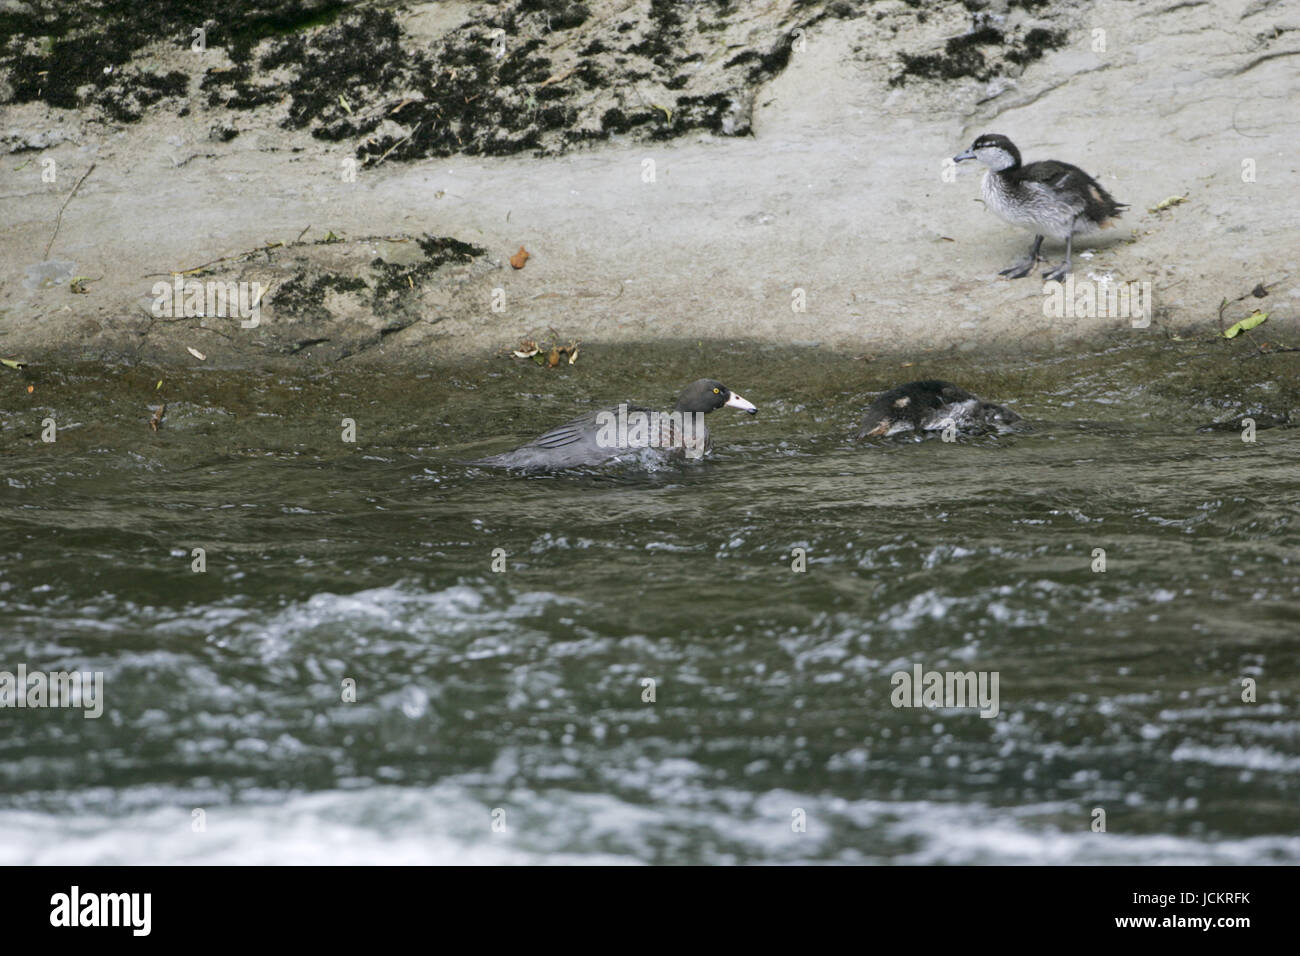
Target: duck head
{"x": 993, "y": 150}
{"x": 706, "y": 395}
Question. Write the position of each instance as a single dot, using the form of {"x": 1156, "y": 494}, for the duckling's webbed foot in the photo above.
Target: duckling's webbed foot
{"x": 1025, "y": 265}
{"x": 1020, "y": 269}
{"x": 1059, "y": 273}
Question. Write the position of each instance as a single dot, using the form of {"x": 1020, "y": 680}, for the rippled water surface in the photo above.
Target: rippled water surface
{"x": 519, "y": 696}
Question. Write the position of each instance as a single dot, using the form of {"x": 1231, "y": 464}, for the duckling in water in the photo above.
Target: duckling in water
{"x": 626, "y": 433}
{"x": 933, "y": 405}
{"x": 1051, "y": 198}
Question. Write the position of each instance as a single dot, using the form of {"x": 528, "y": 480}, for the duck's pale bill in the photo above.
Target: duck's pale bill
{"x": 737, "y": 402}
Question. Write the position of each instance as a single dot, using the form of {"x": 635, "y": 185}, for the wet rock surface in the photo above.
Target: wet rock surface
{"x": 328, "y": 299}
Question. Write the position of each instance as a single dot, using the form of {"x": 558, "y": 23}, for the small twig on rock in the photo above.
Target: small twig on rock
{"x": 556, "y": 78}
{"x": 397, "y": 144}
{"x": 59, "y": 219}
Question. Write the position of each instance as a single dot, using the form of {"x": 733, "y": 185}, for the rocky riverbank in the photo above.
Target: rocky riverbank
{"x": 363, "y": 173}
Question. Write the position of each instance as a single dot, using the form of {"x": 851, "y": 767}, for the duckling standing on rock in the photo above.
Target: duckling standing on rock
{"x": 933, "y": 405}
{"x": 1051, "y": 198}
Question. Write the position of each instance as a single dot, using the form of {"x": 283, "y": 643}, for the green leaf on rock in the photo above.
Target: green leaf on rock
{"x": 1246, "y": 324}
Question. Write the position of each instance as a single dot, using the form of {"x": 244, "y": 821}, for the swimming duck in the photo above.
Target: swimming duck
{"x": 1051, "y": 198}
{"x": 932, "y": 405}
{"x": 626, "y": 433}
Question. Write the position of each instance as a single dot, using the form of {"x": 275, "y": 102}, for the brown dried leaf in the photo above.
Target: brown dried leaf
{"x": 520, "y": 257}
{"x": 556, "y": 78}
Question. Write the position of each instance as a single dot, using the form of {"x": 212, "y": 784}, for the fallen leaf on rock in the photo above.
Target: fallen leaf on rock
{"x": 158, "y": 417}
{"x": 520, "y": 257}
{"x": 30, "y": 389}
{"x": 547, "y": 356}
{"x": 1167, "y": 203}
{"x": 1245, "y": 325}
{"x": 196, "y": 353}
{"x": 13, "y": 363}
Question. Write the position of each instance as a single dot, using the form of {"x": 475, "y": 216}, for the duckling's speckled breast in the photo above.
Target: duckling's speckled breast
{"x": 1034, "y": 206}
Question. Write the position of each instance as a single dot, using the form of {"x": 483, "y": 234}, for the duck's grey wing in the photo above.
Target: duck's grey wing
{"x": 562, "y": 446}
{"x": 1056, "y": 174}
{"x": 1085, "y": 194}
{"x": 575, "y": 444}
{"x": 571, "y": 432}
{"x": 584, "y": 427}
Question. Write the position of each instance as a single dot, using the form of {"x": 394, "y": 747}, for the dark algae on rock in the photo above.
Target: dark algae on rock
{"x": 340, "y": 296}
{"x": 539, "y": 76}
{"x": 983, "y": 52}
{"x": 68, "y": 53}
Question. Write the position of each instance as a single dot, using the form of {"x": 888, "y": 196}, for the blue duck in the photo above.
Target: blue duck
{"x": 625, "y": 433}
{"x": 932, "y": 406}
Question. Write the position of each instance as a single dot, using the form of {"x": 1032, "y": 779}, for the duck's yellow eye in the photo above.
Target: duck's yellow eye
{"x": 717, "y": 391}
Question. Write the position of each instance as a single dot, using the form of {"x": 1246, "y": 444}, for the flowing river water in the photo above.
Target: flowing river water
{"x": 505, "y": 715}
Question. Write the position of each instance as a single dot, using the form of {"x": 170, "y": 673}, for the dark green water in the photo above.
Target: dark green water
{"x": 523, "y": 691}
